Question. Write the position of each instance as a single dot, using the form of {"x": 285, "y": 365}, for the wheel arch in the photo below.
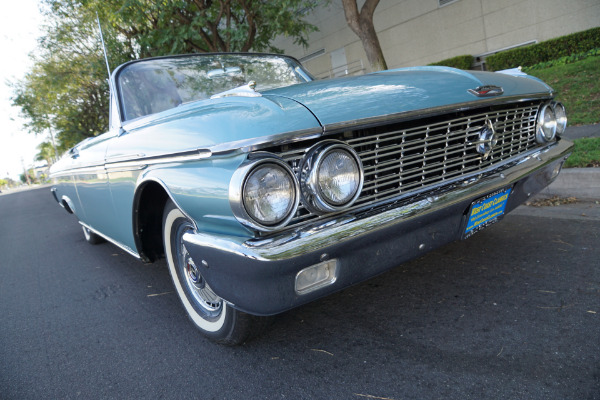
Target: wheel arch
{"x": 149, "y": 201}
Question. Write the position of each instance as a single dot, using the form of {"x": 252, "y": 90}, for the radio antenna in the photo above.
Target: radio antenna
{"x": 111, "y": 89}
{"x": 103, "y": 45}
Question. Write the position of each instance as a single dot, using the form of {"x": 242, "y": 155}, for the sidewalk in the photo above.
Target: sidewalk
{"x": 582, "y": 183}
{"x": 578, "y": 132}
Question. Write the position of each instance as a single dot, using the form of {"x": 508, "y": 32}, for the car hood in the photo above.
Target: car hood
{"x": 218, "y": 125}
{"x": 343, "y": 101}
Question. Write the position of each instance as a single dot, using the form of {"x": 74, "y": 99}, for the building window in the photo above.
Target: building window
{"x": 442, "y": 3}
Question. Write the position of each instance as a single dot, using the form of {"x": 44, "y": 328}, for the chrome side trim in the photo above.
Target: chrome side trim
{"x": 135, "y": 164}
{"x": 124, "y": 158}
{"x": 262, "y": 142}
{"x": 431, "y": 112}
{"x": 140, "y": 163}
{"x": 108, "y": 238}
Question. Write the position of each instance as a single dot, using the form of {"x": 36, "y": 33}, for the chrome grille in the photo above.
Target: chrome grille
{"x": 407, "y": 156}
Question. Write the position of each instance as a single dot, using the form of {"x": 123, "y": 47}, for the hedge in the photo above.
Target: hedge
{"x": 460, "y": 62}
{"x": 553, "y": 49}
{"x": 564, "y": 60}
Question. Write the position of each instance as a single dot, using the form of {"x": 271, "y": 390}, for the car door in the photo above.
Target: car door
{"x": 91, "y": 182}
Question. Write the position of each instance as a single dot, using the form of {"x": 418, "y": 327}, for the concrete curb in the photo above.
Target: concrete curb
{"x": 582, "y": 183}
{"x": 578, "y": 132}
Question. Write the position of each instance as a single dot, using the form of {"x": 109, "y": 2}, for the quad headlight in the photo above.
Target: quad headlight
{"x": 551, "y": 121}
{"x": 561, "y": 117}
{"x": 546, "y": 124}
{"x": 331, "y": 177}
{"x": 264, "y": 193}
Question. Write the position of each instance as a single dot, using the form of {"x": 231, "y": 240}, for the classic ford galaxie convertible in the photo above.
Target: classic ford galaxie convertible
{"x": 265, "y": 189}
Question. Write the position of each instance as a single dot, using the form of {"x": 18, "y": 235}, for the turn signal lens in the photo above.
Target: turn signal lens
{"x": 316, "y": 276}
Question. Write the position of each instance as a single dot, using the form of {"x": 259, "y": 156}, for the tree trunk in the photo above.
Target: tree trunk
{"x": 362, "y": 24}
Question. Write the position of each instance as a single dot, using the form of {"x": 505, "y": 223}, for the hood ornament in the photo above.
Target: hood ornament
{"x": 247, "y": 90}
{"x": 486, "y": 91}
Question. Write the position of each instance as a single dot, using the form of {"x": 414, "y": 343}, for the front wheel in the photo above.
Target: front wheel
{"x": 211, "y": 315}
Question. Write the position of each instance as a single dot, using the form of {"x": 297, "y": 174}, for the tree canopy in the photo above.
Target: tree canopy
{"x": 66, "y": 89}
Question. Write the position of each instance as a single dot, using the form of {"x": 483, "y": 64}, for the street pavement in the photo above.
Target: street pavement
{"x": 511, "y": 313}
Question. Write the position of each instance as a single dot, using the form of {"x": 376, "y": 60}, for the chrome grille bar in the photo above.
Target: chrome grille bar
{"x": 409, "y": 156}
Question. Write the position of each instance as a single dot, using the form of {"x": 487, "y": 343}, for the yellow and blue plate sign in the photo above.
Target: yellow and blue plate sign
{"x": 486, "y": 211}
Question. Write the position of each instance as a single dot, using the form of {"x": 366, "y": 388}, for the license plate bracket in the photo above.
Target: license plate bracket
{"x": 486, "y": 211}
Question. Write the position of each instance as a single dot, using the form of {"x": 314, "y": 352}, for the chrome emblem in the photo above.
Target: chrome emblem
{"x": 486, "y": 91}
{"x": 487, "y": 139}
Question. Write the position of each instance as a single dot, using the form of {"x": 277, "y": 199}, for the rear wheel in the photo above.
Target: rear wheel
{"x": 211, "y": 315}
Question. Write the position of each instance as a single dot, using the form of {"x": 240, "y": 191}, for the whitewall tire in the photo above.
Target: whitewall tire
{"x": 209, "y": 313}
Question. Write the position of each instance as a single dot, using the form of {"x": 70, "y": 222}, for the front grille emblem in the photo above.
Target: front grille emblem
{"x": 487, "y": 139}
{"x": 486, "y": 91}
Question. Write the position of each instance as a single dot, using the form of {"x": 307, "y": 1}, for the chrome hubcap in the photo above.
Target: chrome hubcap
{"x": 192, "y": 271}
{"x": 200, "y": 290}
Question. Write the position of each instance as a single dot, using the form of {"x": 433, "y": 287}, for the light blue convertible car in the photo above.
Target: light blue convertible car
{"x": 265, "y": 189}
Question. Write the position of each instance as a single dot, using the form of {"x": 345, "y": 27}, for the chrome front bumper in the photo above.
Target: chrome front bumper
{"x": 258, "y": 276}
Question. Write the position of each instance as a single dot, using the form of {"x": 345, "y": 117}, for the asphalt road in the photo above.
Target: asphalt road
{"x": 512, "y": 313}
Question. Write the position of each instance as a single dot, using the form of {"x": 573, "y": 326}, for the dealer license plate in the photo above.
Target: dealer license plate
{"x": 486, "y": 211}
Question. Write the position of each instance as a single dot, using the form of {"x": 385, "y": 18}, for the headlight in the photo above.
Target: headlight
{"x": 332, "y": 177}
{"x": 339, "y": 177}
{"x": 561, "y": 117}
{"x": 546, "y": 125}
{"x": 264, "y": 193}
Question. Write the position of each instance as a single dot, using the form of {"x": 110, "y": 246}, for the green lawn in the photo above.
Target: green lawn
{"x": 586, "y": 153}
{"x": 577, "y": 86}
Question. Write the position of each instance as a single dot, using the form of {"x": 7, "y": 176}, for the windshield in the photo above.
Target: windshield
{"x": 154, "y": 85}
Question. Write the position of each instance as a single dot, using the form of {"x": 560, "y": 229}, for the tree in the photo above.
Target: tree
{"x": 199, "y": 26}
{"x": 66, "y": 89}
{"x": 46, "y": 153}
{"x": 362, "y": 24}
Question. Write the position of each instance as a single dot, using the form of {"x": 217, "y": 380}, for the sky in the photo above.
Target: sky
{"x": 19, "y": 30}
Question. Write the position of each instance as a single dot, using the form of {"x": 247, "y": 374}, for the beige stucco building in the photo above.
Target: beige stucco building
{"x": 418, "y": 32}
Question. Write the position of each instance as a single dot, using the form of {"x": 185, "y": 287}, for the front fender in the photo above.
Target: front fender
{"x": 200, "y": 189}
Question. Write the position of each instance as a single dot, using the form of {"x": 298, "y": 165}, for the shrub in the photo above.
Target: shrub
{"x": 553, "y": 49}
{"x": 564, "y": 60}
{"x": 460, "y": 62}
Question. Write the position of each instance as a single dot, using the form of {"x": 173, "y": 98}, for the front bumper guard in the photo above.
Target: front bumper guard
{"x": 258, "y": 275}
